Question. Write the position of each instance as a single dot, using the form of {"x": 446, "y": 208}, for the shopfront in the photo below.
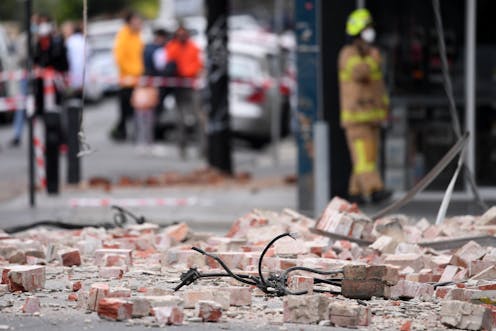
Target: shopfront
{"x": 422, "y": 128}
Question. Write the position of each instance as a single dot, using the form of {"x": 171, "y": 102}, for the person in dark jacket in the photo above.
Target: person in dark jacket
{"x": 50, "y": 53}
{"x": 155, "y": 60}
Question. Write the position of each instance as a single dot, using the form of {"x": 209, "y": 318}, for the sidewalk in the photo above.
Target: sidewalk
{"x": 209, "y": 207}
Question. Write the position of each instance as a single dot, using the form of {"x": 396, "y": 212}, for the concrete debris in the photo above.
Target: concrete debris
{"x": 129, "y": 273}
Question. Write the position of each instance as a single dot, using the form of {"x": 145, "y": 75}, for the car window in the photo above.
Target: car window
{"x": 245, "y": 67}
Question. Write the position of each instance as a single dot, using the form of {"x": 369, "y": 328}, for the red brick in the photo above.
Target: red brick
{"x": 119, "y": 292}
{"x": 346, "y": 314}
{"x": 489, "y": 217}
{"x": 188, "y": 258}
{"x": 234, "y": 260}
{"x": 385, "y": 244}
{"x": 221, "y": 296}
{"x": 141, "y": 307}
{"x": 101, "y": 253}
{"x": 477, "y": 266}
{"x": 406, "y": 326}
{"x": 486, "y": 274}
{"x": 208, "y": 311}
{"x": 70, "y": 257}
{"x": 362, "y": 289}
{"x": 471, "y": 251}
{"x": 168, "y": 315}
{"x": 114, "y": 309}
{"x": 76, "y": 286}
{"x": 449, "y": 273}
{"x": 406, "y": 260}
{"x": 33, "y": 260}
{"x": 177, "y": 233}
{"x": 24, "y": 278}
{"x": 409, "y": 290}
{"x": 72, "y": 297}
{"x": 111, "y": 272}
{"x": 239, "y": 295}
{"x": 298, "y": 283}
{"x": 464, "y": 315}
{"x": 97, "y": 292}
{"x": 305, "y": 309}
{"x": 31, "y": 305}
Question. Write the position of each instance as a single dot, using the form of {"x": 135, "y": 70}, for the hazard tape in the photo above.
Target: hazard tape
{"x": 155, "y": 81}
{"x": 39, "y": 153}
{"x": 138, "y": 202}
{"x": 11, "y": 104}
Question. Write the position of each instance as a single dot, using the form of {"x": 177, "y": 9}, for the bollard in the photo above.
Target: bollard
{"x": 73, "y": 118}
{"x": 52, "y": 143}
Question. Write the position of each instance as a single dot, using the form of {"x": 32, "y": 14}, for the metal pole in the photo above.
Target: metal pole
{"x": 275, "y": 120}
{"x": 308, "y": 55}
{"x": 321, "y": 167}
{"x": 360, "y": 3}
{"x": 470, "y": 87}
{"x": 29, "y": 111}
{"x": 218, "y": 127}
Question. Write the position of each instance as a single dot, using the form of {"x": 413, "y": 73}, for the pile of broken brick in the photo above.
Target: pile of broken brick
{"x": 394, "y": 281}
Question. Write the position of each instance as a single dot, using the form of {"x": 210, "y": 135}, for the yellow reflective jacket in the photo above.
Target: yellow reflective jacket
{"x": 362, "y": 91}
{"x": 128, "y": 54}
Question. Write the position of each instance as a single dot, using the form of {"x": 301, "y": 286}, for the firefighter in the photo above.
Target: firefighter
{"x": 364, "y": 107}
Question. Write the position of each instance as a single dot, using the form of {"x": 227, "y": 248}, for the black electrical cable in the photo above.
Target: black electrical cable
{"x": 120, "y": 219}
{"x": 57, "y": 224}
{"x": 287, "y": 234}
{"x": 274, "y": 285}
{"x": 226, "y": 268}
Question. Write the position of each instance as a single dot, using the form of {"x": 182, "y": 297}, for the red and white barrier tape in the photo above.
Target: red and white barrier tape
{"x": 156, "y": 81}
{"x": 10, "y": 104}
{"x": 39, "y": 153}
{"x": 138, "y": 202}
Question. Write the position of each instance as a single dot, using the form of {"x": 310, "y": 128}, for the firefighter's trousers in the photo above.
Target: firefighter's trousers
{"x": 363, "y": 143}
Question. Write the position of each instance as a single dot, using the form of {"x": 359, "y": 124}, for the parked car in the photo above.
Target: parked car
{"x": 102, "y": 75}
{"x": 254, "y": 93}
{"x": 7, "y": 63}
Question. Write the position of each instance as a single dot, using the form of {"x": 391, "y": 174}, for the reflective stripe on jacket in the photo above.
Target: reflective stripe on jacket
{"x": 362, "y": 91}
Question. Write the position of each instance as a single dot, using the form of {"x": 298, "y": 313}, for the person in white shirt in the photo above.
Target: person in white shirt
{"x": 77, "y": 54}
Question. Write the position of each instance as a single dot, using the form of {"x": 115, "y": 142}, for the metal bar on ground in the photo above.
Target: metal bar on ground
{"x": 427, "y": 179}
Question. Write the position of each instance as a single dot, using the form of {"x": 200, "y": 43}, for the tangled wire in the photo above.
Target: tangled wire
{"x": 273, "y": 285}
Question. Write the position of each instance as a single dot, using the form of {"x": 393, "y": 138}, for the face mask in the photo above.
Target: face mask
{"x": 368, "y": 35}
{"x": 44, "y": 29}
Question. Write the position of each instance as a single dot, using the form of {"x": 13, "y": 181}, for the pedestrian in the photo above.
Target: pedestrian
{"x": 155, "y": 59}
{"x": 364, "y": 107}
{"x": 50, "y": 55}
{"x": 144, "y": 100}
{"x": 185, "y": 55}
{"x": 77, "y": 54}
{"x": 22, "y": 59}
{"x": 128, "y": 54}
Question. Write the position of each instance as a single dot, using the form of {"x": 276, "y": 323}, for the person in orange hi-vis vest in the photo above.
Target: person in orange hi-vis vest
{"x": 128, "y": 54}
{"x": 364, "y": 107}
{"x": 184, "y": 56}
